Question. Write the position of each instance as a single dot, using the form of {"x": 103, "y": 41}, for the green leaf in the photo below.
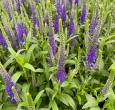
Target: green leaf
{"x": 69, "y": 100}
{"x": 110, "y": 41}
{"x": 29, "y": 52}
{"x": 28, "y": 38}
{"x": 1, "y": 106}
{"x": 63, "y": 100}
{"x": 71, "y": 38}
{"x": 39, "y": 70}
{"x": 38, "y": 96}
{"x": 69, "y": 62}
{"x": 19, "y": 58}
{"x": 30, "y": 101}
{"x": 53, "y": 105}
{"x": 16, "y": 76}
{"x": 30, "y": 67}
{"x": 8, "y": 62}
{"x": 22, "y": 104}
{"x": 25, "y": 88}
{"x": 51, "y": 69}
{"x": 95, "y": 108}
{"x": 91, "y": 102}
{"x": 43, "y": 109}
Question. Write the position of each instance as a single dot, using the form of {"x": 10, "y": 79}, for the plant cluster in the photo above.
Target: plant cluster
{"x": 57, "y": 54}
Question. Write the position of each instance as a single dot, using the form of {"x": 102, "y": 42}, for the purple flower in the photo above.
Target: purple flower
{"x": 15, "y": 43}
{"x": 17, "y": 6}
{"x": 91, "y": 57}
{"x": 9, "y": 14}
{"x": 59, "y": 8}
{"x": 70, "y": 1}
{"x": 23, "y": 2}
{"x": 93, "y": 24}
{"x": 12, "y": 1}
{"x": 71, "y": 29}
{"x": 56, "y": 23}
{"x": 3, "y": 41}
{"x": 6, "y": 7}
{"x": 61, "y": 74}
{"x": 37, "y": 1}
{"x": 93, "y": 37}
{"x": 63, "y": 16}
{"x": 9, "y": 84}
{"x": 52, "y": 40}
{"x": 32, "y": 10}
{"x": 76, "y": 1}
{"x": 20, "y": 31}
{"x": 83, "y": 13}
{"x": 35, "y": 21}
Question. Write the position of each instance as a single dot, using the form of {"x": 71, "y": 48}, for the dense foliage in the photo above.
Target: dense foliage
{"x": 57, "y": 54}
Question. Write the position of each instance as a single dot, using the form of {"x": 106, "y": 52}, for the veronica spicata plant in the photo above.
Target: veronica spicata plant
{"x": 57, "y": 55}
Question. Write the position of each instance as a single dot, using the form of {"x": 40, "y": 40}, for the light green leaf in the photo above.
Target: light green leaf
{"x": 69, "y": 62}
{"x": 53, "y": 105}
{"x": 39, "y": 70}
{"x": 28, "y": 38}
{"x": 19, "y": 58}
{"x": 22, "y": 104}
{"x": 8, "y": 62}
{"x": 16, "y": 76}
{"x": 1, "y": 106}
{"x": 30, "y": 67}
{"x": 69, "y": 100}
{"x": 63, "y": 100}
{"x": 110, "y": 41}
{"x": 30, "y": 101}
{"x": 29, "y": 52}
{"x": 43, "y": 109}
{"x": 91, "y": 102}
{"x": 38, "y": 96}
{"x": 95, "y": 108}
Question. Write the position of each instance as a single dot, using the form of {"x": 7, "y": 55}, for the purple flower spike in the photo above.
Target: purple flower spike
{"x": 93, "y": 24}
{"x": 3, "y": 41}
{"x": 83, "y": 13}
{"x": 71, "y": 29}
{"x": 52, "y": 40}
{"x": 32, "y": 10}
{"x": 61, "y": 74}
{"x": 9, "y": 84}
{"x": 70, "y": 2}
{"x": 17, "y": 6}
{"x": 59, "y": 8}
{"x": 91, "y": 57}
{"x": 35, "y": 21}
{"x": 6, "y": 7}
{"x": 20, "y": 31}
{"x": 76, "y": 1}
{"x": 56, "y": 23}
{"x": 63, "y": 16}
{"x": 23, "y": 2}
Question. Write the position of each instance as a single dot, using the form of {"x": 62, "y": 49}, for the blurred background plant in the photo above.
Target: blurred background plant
{"x": 57, "y": 54}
